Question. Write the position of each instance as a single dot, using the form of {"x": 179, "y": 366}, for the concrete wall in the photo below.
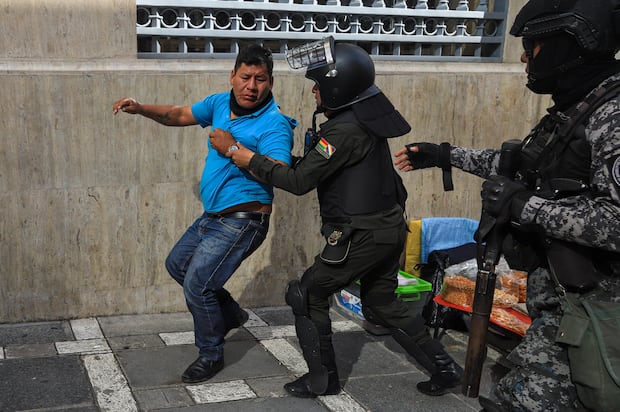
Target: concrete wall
{"x": 93, "y": 202}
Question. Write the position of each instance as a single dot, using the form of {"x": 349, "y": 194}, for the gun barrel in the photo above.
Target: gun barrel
{"x": 476, "y": 346}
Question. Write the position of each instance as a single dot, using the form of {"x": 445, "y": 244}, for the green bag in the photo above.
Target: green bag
{"x": 591, "y": 329}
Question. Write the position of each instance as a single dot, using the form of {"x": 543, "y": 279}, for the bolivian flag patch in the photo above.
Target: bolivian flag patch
{"x": 325, "y": 149}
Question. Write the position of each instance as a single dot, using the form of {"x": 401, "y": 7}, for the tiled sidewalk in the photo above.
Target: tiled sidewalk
{"x": 134, "y": 363}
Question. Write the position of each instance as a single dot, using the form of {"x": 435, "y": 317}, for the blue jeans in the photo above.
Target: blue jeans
{"x": 202, "y": 261}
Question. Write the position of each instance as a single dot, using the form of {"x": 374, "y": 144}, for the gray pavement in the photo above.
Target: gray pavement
{"x": 134, "y": 363}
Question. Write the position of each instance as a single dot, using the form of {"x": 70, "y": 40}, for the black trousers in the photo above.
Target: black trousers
{"x": 373, "y": 259}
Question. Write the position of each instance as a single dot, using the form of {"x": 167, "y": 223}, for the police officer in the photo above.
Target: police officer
{"x": 361, "y": 201}
{"x": 563, "y": 203}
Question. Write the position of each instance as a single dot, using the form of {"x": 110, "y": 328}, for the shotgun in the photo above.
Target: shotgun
{"x": 489, "y": 237}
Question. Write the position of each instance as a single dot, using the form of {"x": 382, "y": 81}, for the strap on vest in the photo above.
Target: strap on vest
{"x": 446, "y": 166}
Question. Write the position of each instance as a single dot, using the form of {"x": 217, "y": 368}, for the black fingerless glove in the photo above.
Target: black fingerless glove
{"x": 432, "y": 155}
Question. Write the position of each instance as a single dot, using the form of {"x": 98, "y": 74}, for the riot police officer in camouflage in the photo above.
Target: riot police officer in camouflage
{"x": 563, "y": 203}
{"x": 361, "y": 200}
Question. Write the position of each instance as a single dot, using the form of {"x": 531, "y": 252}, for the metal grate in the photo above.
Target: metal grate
{"x": 422, "y": 30}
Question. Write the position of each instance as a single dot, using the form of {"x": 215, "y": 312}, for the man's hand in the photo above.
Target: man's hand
{"x": 127, "y": 105}
{"x": 503, "y": 198}
{"x": 221, "y": 140}
{"x": 243, "y": 156}
{"x": 418, "y": 156}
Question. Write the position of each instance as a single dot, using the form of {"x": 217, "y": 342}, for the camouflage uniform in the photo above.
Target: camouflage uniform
{"x": 540, "y": 379}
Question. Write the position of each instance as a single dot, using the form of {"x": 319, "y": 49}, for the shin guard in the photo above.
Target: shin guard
{"x": 308, "y": 336}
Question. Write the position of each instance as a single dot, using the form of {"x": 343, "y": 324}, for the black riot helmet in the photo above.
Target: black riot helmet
{"x": 572, "y": 32}
{"x": 344, "y": 73}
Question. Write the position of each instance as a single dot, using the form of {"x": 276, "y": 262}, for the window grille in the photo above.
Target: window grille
{"x": 422, "y": 30}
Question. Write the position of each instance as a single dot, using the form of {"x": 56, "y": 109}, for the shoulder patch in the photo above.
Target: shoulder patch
{"x": 325, "y": 149}
{"x": 614, "y": 170}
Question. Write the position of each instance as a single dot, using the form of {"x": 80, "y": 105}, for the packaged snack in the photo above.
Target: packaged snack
{"x": 514, "y": 282}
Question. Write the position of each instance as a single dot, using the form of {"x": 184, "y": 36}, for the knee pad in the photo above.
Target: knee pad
{"x": 296, "y": 296}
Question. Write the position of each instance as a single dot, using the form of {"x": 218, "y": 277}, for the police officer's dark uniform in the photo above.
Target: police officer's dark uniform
{"x": 361, "y": 203}
{"x": 563, "y": 202}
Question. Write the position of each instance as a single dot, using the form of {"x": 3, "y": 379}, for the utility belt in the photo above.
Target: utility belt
{"x": 339, "y": 231}
{"x": 381, "y": 219}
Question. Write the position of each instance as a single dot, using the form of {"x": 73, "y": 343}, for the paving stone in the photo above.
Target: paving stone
{"x": 109, "y": 384}
{"x": 38, "y": 350}
{"x": 86, "y": 329}
{"x": 34, "y": 333}
{"x": 239, "y": 334}
{"x": 276, "y": 316}
{"x": 55, "y": 382}
{"x": 83, "y": 346}
{"x": 270, "y": 387}
{"x": 254, "y": 319}
{"x": 127, "y": 325}
{"x": 163, "y": 367}
{"x": 156, "y": 367}
{"x": 218, "y": 392}
{"x": 151, "y": 399}
{"x": 258, "y": 405}
{"x": 397, "y": 393}
{"x": 361, "y": 354}
{"x": 135, "y": 342}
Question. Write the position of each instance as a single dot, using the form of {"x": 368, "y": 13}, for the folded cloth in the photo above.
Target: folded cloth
{"x": 412, "y": 247}
{"x": 440, "y": 233}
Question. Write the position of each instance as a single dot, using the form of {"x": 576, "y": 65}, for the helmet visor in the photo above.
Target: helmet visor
{"x": 311, "y": 55}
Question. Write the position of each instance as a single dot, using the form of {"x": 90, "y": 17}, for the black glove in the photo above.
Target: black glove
{"x": 428, "y": 155}
{"x": 432, "y": 155}
{"x": 504, "y": 198}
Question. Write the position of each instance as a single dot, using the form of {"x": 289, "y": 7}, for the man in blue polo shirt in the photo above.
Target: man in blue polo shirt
{"x": 236, "y": 205}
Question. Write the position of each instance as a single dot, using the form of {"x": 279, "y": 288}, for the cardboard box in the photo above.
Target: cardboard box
{"x": 415, "y": 292}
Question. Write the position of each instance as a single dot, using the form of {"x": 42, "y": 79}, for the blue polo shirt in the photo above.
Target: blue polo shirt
{"x": 266, "y": 131}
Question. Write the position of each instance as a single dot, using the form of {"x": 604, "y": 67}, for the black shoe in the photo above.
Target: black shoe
{"x": 448, "y": 374}
{"x": 241, "y": 318}
{"x": 300, "y": 387}
{"x": 201, "y": 370}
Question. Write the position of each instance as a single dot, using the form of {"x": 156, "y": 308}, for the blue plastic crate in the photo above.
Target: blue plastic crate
{"x": 348, "y": 299}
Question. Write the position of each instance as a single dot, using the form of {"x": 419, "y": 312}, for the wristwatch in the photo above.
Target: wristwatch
{"x": 233, "y": 148}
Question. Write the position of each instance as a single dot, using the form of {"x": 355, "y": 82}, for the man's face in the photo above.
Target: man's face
{"x": 317, "y": 94}
{"x": 251, "y": 85}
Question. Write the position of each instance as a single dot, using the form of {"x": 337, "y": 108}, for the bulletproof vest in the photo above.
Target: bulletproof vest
{"x": 545, "y": 155}
{"x": 555, "y": 162}
{"x": 557, "y": 147}
{"x": 367, "y": 187}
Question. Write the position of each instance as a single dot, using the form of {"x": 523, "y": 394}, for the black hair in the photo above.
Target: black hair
{"x": 255, "y": 55}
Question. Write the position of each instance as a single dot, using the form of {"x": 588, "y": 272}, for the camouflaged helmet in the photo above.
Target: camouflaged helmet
{"x": 347, "y": 80}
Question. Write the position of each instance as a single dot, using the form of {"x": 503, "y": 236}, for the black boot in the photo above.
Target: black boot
{"x": 300, "y": 387}
{"x": 447, "y": 374}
